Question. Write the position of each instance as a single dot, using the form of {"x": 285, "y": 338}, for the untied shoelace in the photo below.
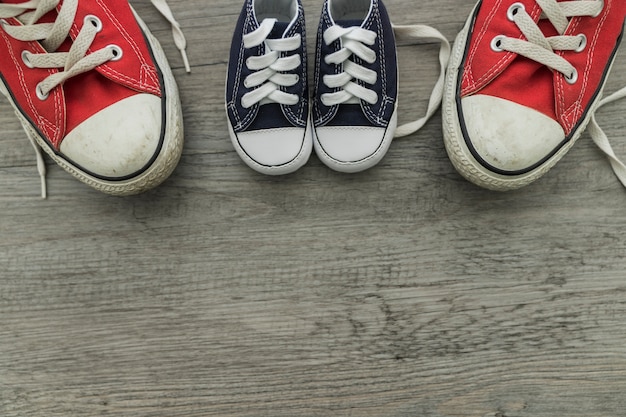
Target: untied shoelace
{"x": 541, "y": 49}
{"x": 75, "y": 61}
{"x": 356, "y": 42}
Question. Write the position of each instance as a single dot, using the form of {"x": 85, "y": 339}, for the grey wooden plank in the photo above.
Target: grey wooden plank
{"x": 402, "y": 291}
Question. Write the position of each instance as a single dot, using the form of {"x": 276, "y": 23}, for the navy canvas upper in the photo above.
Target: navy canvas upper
{"x": 385, "y": 66}
{"x": 273, "y": 115}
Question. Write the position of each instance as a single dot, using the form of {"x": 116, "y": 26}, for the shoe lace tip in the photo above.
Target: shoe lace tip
{"x": 183, "y": 53}
{"x": 41, "y": 167}
{"x": 44, "y": 191}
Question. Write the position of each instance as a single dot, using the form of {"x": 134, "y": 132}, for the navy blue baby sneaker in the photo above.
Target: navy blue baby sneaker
{"x": 356, "y": 85}
{"x": 266, "y": 87}
{"x": 355, "y": 102}
{"x": 354, "y": 108}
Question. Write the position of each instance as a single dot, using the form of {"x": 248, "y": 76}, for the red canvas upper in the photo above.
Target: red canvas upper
{"x": 82, "y": 96}
{"x": 509, "y": 76}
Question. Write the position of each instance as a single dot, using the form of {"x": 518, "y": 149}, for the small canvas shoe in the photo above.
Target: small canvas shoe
{"x": 267, "y": 98}
{"x": 524, "y": 80}
{"x": 356, "y": 85}
{"x": 93, "y": 89}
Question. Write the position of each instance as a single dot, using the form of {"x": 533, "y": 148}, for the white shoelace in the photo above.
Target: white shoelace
{"x": 75, "y": 61}
{"x": 414, "y": 35}
{"x": 356, "y": 41}
{"x": 271, "y": 71}
{"x": 541, "y": 49}
{"x": 177, "y": 33}
{"x": 602, "y": 141}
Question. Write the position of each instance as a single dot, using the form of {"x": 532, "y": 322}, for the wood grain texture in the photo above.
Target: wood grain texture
{"x": 402, "y": 291}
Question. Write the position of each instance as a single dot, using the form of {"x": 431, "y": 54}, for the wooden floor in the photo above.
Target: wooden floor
{"x": 403, "y": 291}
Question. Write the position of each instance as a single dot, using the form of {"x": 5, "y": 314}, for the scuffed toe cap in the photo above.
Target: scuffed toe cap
{"x": 119, "y": 141}
{"x": 508, "y": 136}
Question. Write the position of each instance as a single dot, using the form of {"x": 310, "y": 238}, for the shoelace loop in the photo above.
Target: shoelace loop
{"x": 355, "y": 42}
{"x": 271, "y": 70}
{"x": 413, "y": 35}
{"x": 602, "y": 141}
{"x": 74, "y": 62}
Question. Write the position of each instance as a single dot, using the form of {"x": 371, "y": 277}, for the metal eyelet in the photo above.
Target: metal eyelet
{"x": 583, "y": 43}
{"x": 26, "y": 59}
{"x": 514, "y": 10}
{"x": 496, "y": 43}
{"x": 117, "y": 52}
{"x": 94, "y": 21}
{"x": 40, "y": 94}
{"x": 571, "y": 79}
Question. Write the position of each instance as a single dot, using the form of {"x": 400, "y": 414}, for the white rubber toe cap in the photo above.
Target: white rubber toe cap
{"x": 350, "y": 144}
{"x": 507, "y": 135}
{"x": 118, "y": 141}
{"x": 272, "y": 147}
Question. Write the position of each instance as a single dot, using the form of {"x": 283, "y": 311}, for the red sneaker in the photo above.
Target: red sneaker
{"x": 92, "y": 87}
{"x": 524, "y": 80}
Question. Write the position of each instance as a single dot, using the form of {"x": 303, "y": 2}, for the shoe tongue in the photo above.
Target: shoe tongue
{"x": 279, "y": 30}
{"x": 348, "y": 23}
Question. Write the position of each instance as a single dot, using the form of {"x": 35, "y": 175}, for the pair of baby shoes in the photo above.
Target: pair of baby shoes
{"x": 351, "y": 116}
{"x": 92, "y": 87}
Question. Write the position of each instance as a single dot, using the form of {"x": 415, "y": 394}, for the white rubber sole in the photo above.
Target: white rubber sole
{"x": 458, "y": 152}
{"x": 363, "y": 164}
{"x": 169, "y": 154}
